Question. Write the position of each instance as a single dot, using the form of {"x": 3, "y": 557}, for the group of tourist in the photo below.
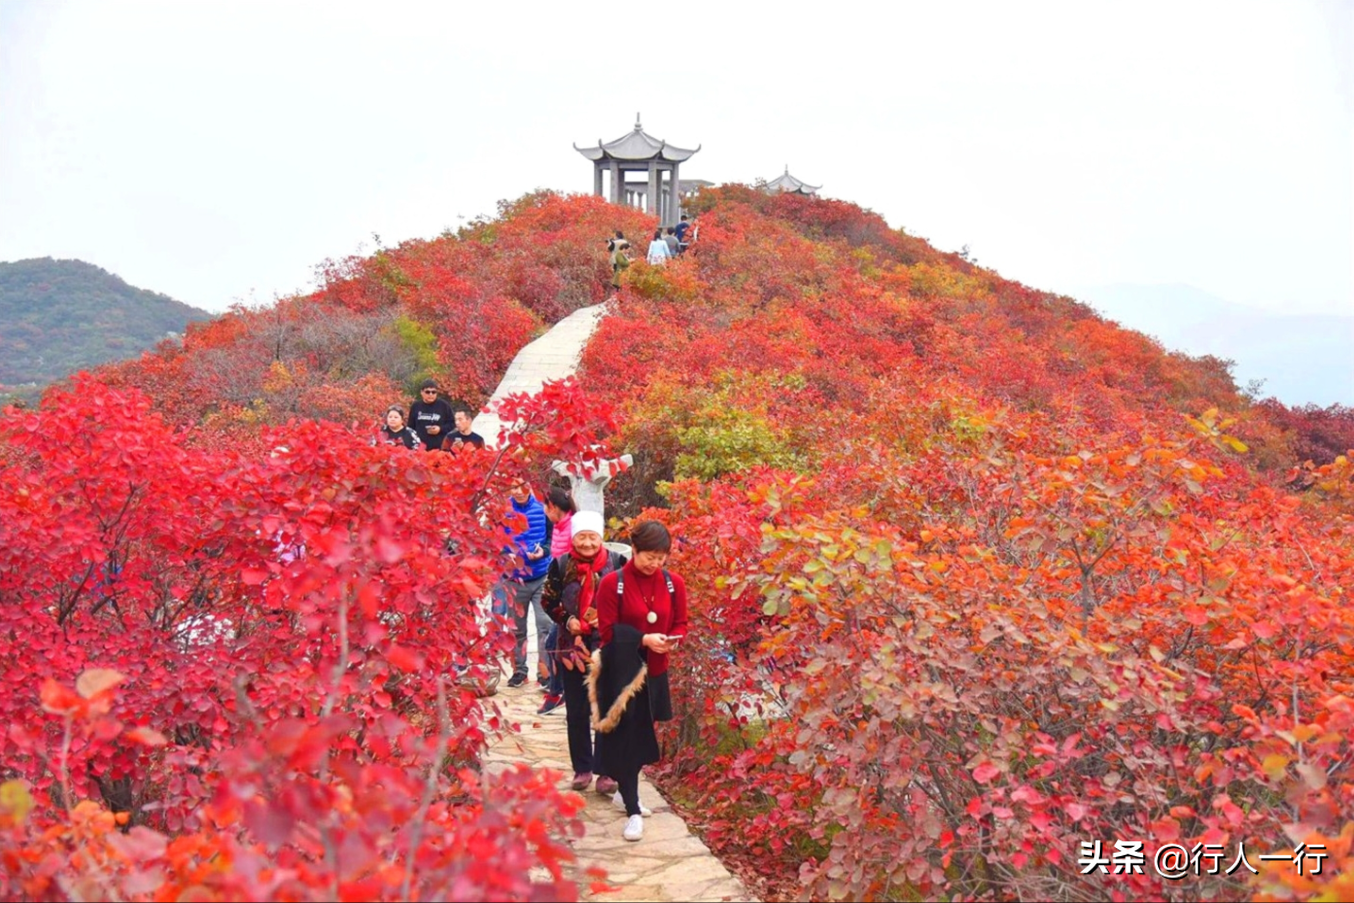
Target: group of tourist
{"x": 431, "y": 424}
{"x": 606, "y": 626}
{"x": 666, "y": 245}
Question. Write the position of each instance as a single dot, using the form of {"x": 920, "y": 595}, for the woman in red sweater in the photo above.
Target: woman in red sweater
{"x": 641, "y": 619}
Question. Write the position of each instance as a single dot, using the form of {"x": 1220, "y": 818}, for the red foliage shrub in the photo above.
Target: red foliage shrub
{"x": 999, "y": 598}
{"x": 1320, "y": 435}
{"x": 284, "y": 633}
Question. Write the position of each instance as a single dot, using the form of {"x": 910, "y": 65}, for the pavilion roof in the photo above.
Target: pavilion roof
{"x": 791, "y": 185}
{"x": 636, "y": 145}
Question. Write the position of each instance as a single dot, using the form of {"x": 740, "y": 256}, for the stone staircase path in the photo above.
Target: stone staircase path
{"x": 552, "y": 356}
{"x": 670, "y": 863}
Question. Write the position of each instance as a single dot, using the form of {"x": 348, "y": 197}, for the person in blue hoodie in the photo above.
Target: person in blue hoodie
{"x": 521, "y": 591}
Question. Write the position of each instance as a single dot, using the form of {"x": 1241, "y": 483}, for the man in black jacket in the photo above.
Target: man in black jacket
{"x": 464, "y": 434}
{"x": 431, "y": 417}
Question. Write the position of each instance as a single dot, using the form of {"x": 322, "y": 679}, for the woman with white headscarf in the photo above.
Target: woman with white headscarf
{"x": 570, "y": 588}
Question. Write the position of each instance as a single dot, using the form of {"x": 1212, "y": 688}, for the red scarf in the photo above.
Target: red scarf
{"x": 573, "y": 653}
{"x": 589, "y": 574}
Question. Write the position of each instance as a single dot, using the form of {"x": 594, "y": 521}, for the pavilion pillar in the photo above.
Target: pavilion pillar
{"x": 616, "y": 187}
{"x": 653, "y": 185}
{"x": 674, "y": 197}
{"x": 597, "y": 179}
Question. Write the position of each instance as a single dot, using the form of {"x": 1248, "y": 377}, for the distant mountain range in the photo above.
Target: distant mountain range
{"x": 1302, "y": 358}
{"x": 61, "y": 316}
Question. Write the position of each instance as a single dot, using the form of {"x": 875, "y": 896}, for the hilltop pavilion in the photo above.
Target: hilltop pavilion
{"x": 638, "y": 151}
{"x": 788, "y": 184}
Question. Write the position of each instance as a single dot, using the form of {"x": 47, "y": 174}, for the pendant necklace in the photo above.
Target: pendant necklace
{"x": 652, "y": 616}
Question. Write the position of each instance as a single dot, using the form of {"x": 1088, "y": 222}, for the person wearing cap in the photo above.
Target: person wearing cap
{"x": 431, "y": 417}
{"x": 569, "y": 598}
{"x": 396, "y": 432}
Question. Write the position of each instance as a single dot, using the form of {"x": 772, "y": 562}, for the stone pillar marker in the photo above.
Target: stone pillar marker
{"x": 654, "y": 179}
{"x": 587, "y": 484}
{"x": 674, "y": 204}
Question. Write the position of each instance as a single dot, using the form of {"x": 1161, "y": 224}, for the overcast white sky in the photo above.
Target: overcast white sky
{"x": 219, "y": 151}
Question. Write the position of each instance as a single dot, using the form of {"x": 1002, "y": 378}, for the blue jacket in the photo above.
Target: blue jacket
{"x": 534, "y": 535}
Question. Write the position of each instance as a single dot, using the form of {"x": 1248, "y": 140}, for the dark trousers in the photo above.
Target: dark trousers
{"x": 628, "y": 784}
{"x": 551, "y": 658}
{"x": 517, "y": 599}
{"x": 578, "y": 720}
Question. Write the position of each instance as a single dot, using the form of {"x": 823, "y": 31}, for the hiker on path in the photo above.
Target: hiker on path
{"x": 641, "y": 619}
{"x": 570, "y": 599}
{"x": 670, "y": 238}
{"x": 396, "y": 432}
{"x": 658, "y": 249}
{"x": 559, "y": 513}
{"x": 430, "y": 416}
{"x": 681, "y": 230}
{"x": 617, "y": 249}
{"x": 520, "y": 592}
{"x": 464, "y": 434}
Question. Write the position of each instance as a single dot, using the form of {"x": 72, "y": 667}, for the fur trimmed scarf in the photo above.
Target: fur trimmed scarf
{"x": 617, "y": 708}
{"x": 621, "y": 712}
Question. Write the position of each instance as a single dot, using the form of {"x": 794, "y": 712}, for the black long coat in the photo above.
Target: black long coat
{"x": 619, "y": 693}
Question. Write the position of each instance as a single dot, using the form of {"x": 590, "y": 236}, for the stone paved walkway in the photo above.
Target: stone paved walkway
{"x": 670, "y": 863}
{"x": 552, "y": 356}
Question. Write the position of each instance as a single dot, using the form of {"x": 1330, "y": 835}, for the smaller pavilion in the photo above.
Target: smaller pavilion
{"x": 788, "y": 184}
{"x": 661, "y": 192}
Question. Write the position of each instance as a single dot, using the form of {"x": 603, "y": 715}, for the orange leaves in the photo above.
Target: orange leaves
{"x": 58, "y": 700}
{"x": 95, "y": 682}
{"x": 146, "y": 736}
{"x": 92, "y": 697}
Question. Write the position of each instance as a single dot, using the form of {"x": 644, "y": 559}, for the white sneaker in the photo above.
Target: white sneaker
{"x": 634, "y": 828}
{"x": 620, "y": 804}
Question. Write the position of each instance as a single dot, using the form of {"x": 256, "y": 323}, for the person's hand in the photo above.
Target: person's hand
{"x": 573, "y": 625}
{"x": 656, "y": 642}
{"x": 434, "y": 430}
{"x": 591, "y": 617}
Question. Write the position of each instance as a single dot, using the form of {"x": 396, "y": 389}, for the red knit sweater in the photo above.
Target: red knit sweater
{"x": 642, "y": 593}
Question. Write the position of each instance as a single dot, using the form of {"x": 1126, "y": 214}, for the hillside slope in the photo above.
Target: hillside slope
{"x": 1021, "y": 579}
{"x": 59, "y": 316}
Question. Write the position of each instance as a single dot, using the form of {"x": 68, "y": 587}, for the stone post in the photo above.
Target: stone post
{"x": 653, "y": 198}
{"x": 597, "y": 179}
{"x": 587, "y": 487}
{"x": 674, "y": 197}
{"x": 616, "y": 187}
{"x": 588, "y": 484}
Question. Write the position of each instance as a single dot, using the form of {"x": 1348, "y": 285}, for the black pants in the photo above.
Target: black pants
{"x": 628, "y": 783}
{"x": 578, "y": 720}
